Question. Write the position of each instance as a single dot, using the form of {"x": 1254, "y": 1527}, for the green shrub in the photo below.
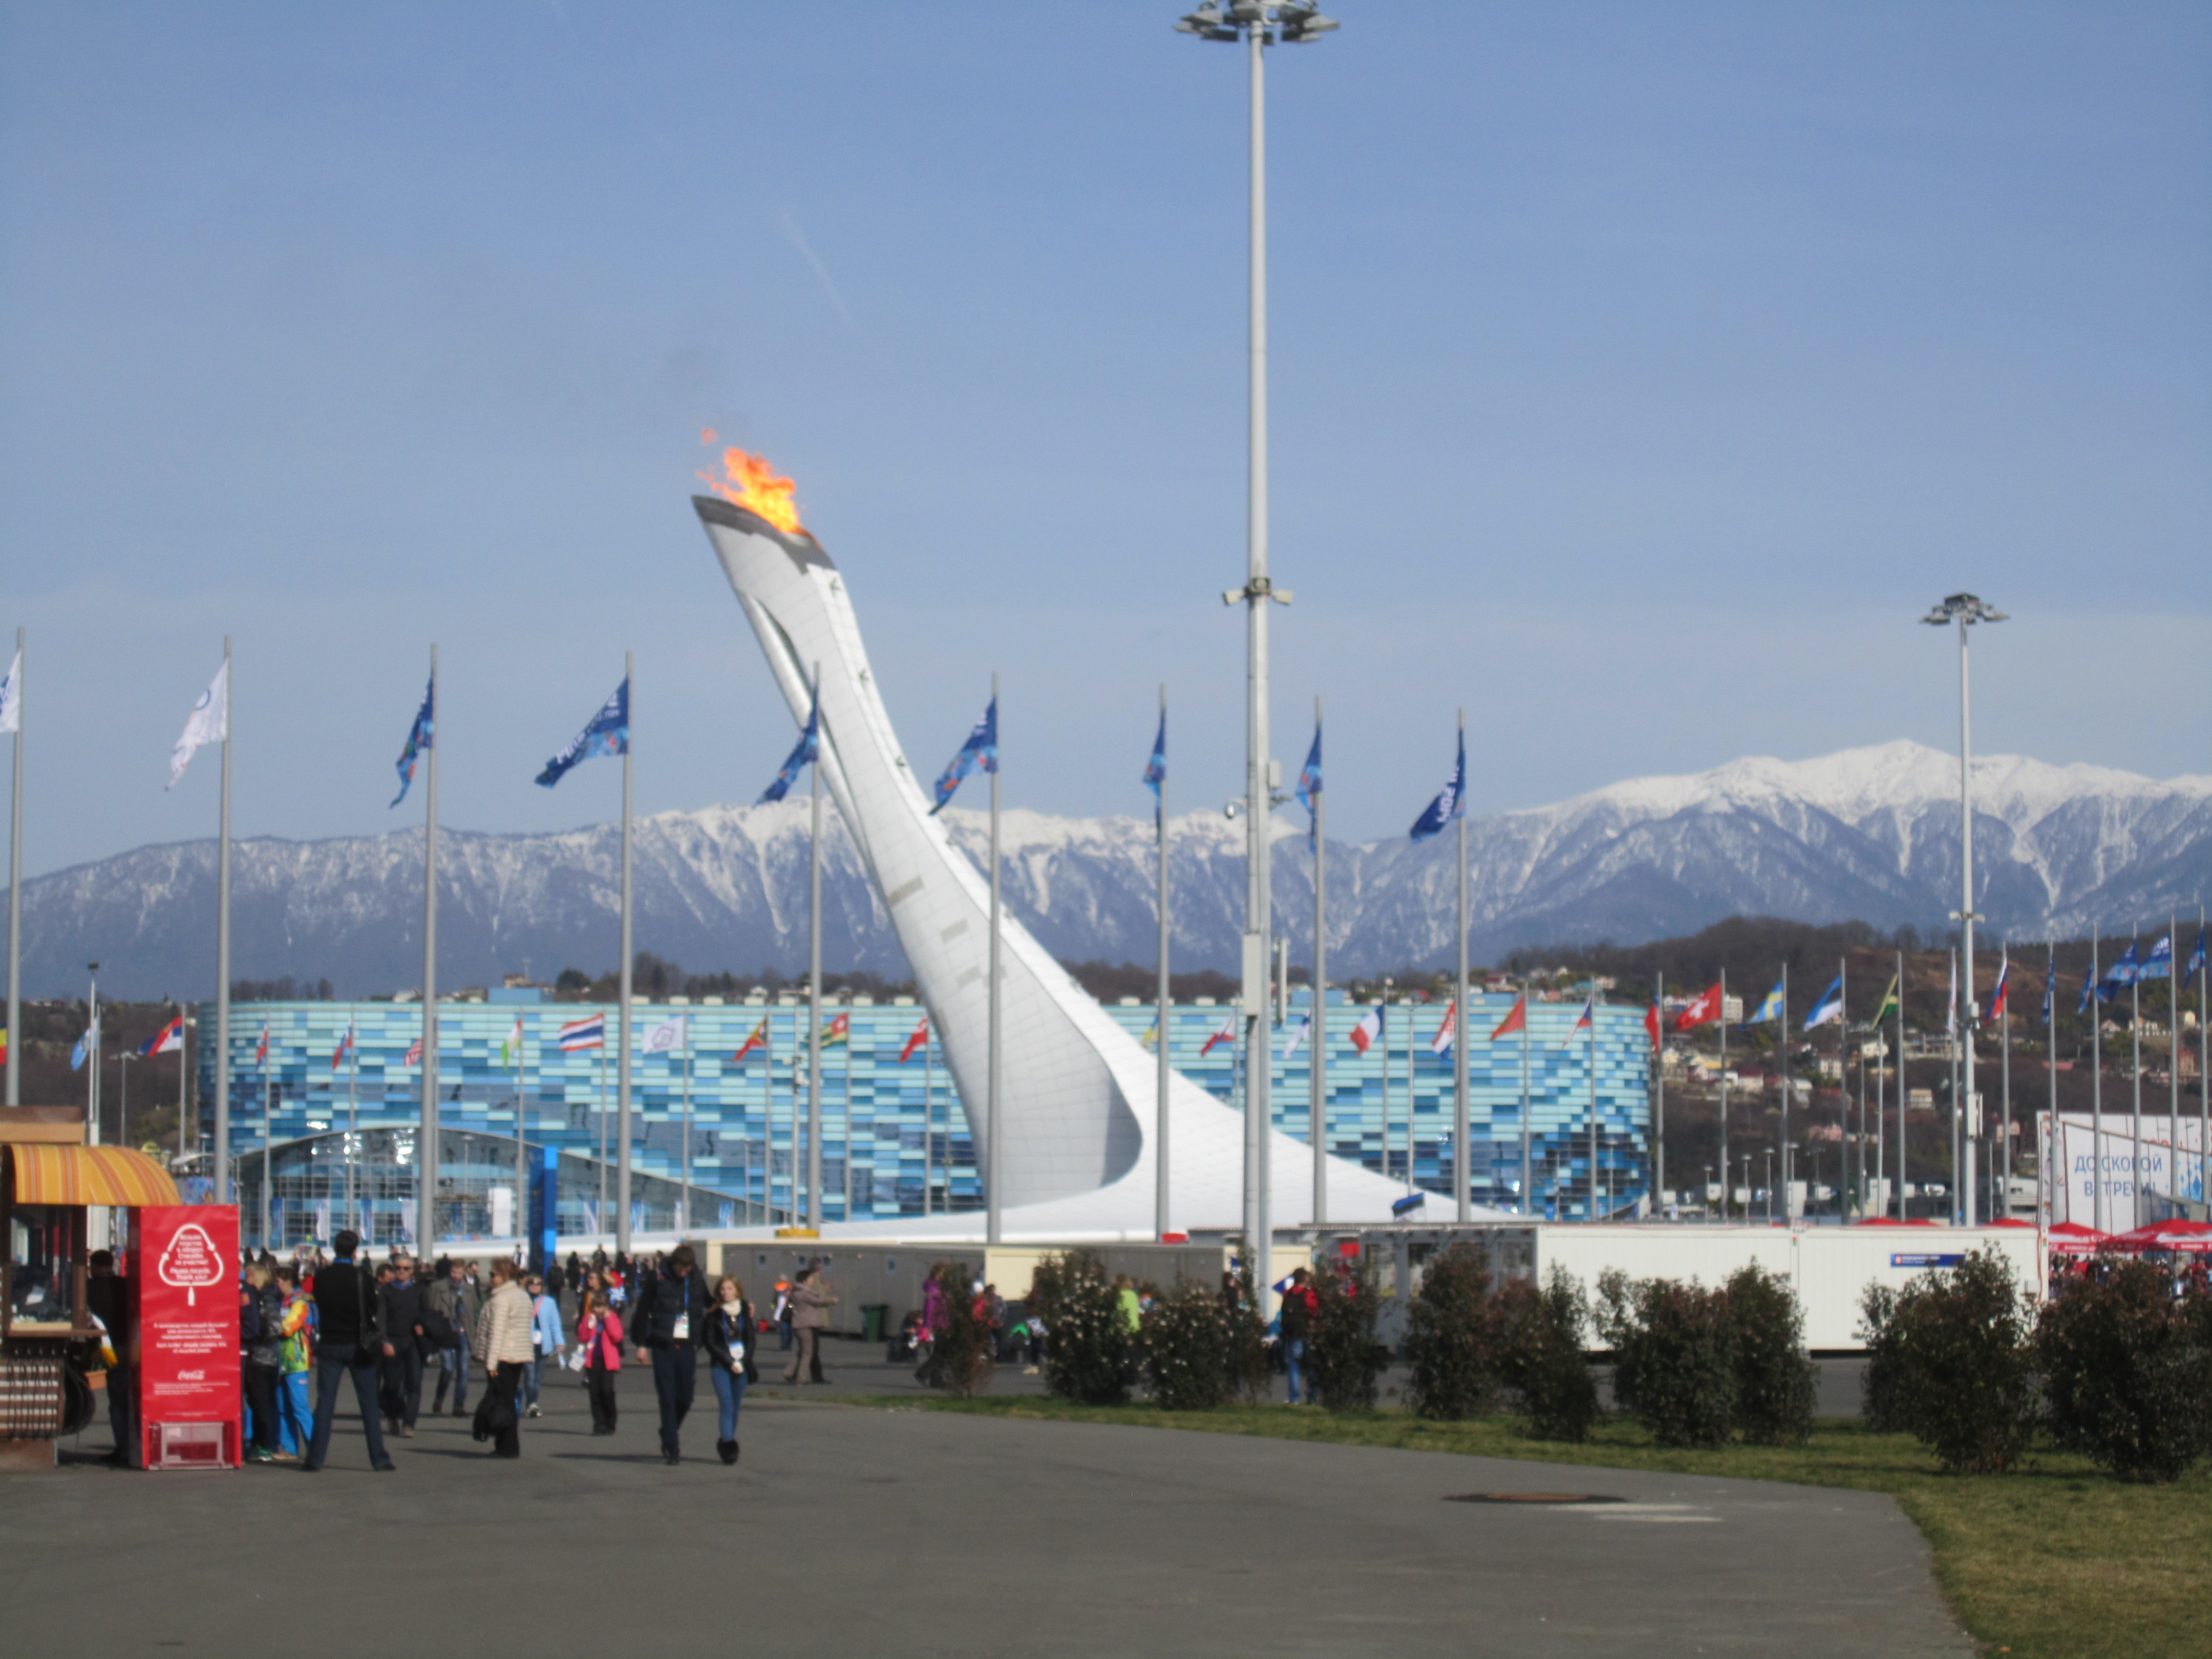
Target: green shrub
{"x": 1451, "y": 1336}
{"x": 1343, "y": 1358}
{"x": 1087, "y": 1347}
{"x": 1539, "y": 1346}
{"x": 1249, "y": 1362}
{"x": 1949, "y": 1363}
{"x": 1673, "y": 1357}
{"x": 1774, "y": 1380}
{"x": 2128, "y": 1372}
{"x": 962, "y": 1353}
{"x": 1187, "y": 1337}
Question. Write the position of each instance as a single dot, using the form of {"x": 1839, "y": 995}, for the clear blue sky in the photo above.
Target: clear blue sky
{"x": 1641, "y": 374}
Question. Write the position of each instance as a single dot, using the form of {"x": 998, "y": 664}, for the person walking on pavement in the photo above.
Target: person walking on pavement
{"x": 454, "y": 1297}
{"x": 730, "y": 1337}
{"x": 502, "y": 1336}
{"x": 345, "y": 1314}
{"x": 399, "y": 1317}
{"x": 668, "y": 1320}
{"x": 808, "y": 1322}
{"x": 598, "y": 1338}
{"x": 1301, "y": 1307}
{"x": 546, "y": 1339}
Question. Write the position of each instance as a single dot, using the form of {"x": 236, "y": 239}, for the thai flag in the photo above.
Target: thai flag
{"x": 1441, "y": 1043}
{"x": 1369, "y": 1031}
{"x": 919, "y": 1040}
{"x": 167, "y": 1040}
{"x": 1583, "y": 1022}
{"x": 1226, "y": 1034}
{"x": 583, "y": 1034}
{"x": 344, "y": 1048}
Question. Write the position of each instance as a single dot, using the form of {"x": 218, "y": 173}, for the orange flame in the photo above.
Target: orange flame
{"x": 755, "y": 485}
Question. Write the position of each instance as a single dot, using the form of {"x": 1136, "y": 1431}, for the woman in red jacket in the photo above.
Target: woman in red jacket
{"x": 599, "y": 1337}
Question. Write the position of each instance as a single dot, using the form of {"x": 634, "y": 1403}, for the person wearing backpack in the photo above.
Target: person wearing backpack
{"x": 345, "y": 1314}
{"x": 1300, "y": 1309}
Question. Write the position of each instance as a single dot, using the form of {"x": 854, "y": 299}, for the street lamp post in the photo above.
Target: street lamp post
{"x": 1964, "y": 610}
{"x": 1260, "y": 24}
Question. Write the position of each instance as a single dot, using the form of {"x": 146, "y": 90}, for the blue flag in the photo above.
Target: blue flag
{"x": 418, "y": 740}
{"x": 807, "y": 749}
{"x": 607, "y": 734}
{"x": 2196, "y": 959}
{"x": 1309, "y": 786}
{"x": 1451, "y": 804}
{"x": 1829, "y": 1010}
{"x": 2049, "y": 996}
{"x": 980, "y": 749}
{"x": 77, "y": 1055}
{"x": 2158, "y": 964}
{"x": 2088, "y": 990}
{"x": 2123, "y": 971}
{"x": 1156, "y": 768}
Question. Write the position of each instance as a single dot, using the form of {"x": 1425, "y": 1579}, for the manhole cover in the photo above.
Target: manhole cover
{"x": 1533, "y": 1498}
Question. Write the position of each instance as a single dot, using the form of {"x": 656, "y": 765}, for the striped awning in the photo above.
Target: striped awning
{"x": 89, "y": 1175}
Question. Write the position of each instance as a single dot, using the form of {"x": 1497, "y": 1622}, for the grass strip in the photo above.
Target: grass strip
{"x": 2058, "y": 1561}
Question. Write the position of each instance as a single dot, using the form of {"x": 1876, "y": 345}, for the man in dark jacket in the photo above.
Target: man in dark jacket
{"x": 399, "y": 1318}
{"x": 345, "y": 1318}
{"x": 458, "y": 1300}
{"x": 669, "y": 1321}
{"x": 108, "y": 1296}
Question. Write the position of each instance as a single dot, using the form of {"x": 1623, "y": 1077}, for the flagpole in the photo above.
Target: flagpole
{"x": 353, "y": 1113}
{"x": 2003, "y": 1203}
{"x": 1957, "y": 1206}
{"x": 622, "y": 1055}
{"x": 1528, "y": 1141}
{"x": 2135, "y": 1040}
{"x": 928, "y": 1117}
{"x": 813, "y": 1212}
{"x": 1591, "y": 1006}
{"x": 684, "y": 1219}
{"x": 2173, "y": 1056}
{"x": 521, "y": 1131}
{"x": 223, "y": 1193}
{"x": 16, "y": 898}
{"x": 845, "y": 1123}
{"x": 601, "y": 1228}
{"x": 1782, "y": 1026}
{"x": 1317, "y": 1061}
{"x": 426, "y": 1152}
{"x": 1659, "y": 1071}
{"x": 1459, "y": 1125}
{"x": 268, "y": 1133}
{"x": 1162, "y": 1122}
{"x": 1848, "y": 1187}
{"x": 991, "y": 1148}
{"x": 1726, "y": 1184}
{"x": 2054, "y": 1141}
{"x": 2096, "y": 1089}
{"x": 2203, "y": 1071}
{"x": 1901, "y": 1213}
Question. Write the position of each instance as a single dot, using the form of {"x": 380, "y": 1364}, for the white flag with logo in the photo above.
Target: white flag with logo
{"x": 210, "y": 723}
{"x": 665, "y": 1038}
{"x": 11, "y": 696}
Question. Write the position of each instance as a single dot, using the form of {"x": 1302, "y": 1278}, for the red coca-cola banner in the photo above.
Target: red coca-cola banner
{"x": 184, "y": 1277}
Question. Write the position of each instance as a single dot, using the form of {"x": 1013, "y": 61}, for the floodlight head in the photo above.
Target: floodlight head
{"x": 1964, "y": 609}
{"x": 1302, "y": 22}
{"x": 1207, "y": 23}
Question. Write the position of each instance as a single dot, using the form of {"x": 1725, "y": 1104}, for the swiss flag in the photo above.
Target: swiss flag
{"x": 1517, "y": 1020}
{"x": 1703, "y": 1012}
{"x": 920, "y": 1035}
{"x": 1651, "y": 1025}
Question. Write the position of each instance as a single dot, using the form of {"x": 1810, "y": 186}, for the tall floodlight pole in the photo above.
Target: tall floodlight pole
{"x": 1964, "y": 610}
{"x": 426, "y": 1150}
{"x": 993, "y": 1161}
{"x": 2003, "y": 1202}
{"x": 814, "y": 991}
{"x": 1318, "y": 1059}
{"x": 1258, "y": 23}
{"x": 623, "y": 1015}
{"x": 11, "y": 719}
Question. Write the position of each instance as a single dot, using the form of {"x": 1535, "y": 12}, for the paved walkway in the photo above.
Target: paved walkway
{"x": 859, "y": 1531}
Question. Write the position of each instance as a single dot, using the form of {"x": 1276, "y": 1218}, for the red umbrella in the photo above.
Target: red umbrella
{"x": 2072, "y": 1238}
{"x": 2194, "y": 1237}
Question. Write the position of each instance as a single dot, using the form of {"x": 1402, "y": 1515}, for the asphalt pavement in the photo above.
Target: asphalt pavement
{"x": 848, "y": 1529}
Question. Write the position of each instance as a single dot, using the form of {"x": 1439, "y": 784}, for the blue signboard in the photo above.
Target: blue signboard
{"x": 1921, "y": 1258}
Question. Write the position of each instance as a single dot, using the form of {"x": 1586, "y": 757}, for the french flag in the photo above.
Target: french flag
{"x": 1369, "y": 1031}
{"x": 1226, "y": 1034}
{"x": 582, "y": 1034}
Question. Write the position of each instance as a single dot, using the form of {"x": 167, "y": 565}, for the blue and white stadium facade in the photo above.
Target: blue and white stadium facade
{"x": 875, "y": 1111}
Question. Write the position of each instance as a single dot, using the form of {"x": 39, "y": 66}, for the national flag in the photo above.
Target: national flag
{"x": 3, "y": 1045}
{"x": 419, "y": 737}
{"x": 1770, "y": 1009}
{"x": 510, "y": 1046}
{"x": 1298, "y": 1034}
{"x": 167, "y": 1040}
{"x": 757, "y": 1040}
{"x": 209, "y": 722}
{"x": 79, "y": 1055}
{"x": 2196, "y": 958}
{"x": 2158, "y": 964}
{"x": 665, "y": 1038}
{"x": 2050, "y": 995}
{"x": 981, "y": 748}
{"x": 414, "y": 1053}
{"x": 1226, "y": 1034}
{"x": 11, "y": 696}
{"x": 261, "y": 1048}
{"x": 580, "y": 1034}
{"x": 344, "y": 1048}
{"x": 1889, "y": 1004}
{"x": 2124, "y": 971}
{"x": 1152, "y": 1035}
{"x": 1449, "y": 805}
{"x": 919, "y": 1040}
{"x": 1156, "y": 768}
{"x": 839, "y": 1030}
{"x": 2002, "y": 991}
{"x": 805, "y": 752}
{"x": 1517, "y": 1019}
{"x": 1369, "y": 1031}
{"x": 1651, "y": 1027}
{"x": 1586, "y": 1021}
{"x": 1702, "y": 1012}
{"x": 2088, "y": 990}
{"x": 606, "y": 732}
{"x": 1441, "y": 1043}
{"x": 1309, "y": 789}
{"x": 1829, "y": 1010}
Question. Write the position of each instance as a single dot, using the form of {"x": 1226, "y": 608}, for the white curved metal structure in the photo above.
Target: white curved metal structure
{"x": 1077, "y": 1100}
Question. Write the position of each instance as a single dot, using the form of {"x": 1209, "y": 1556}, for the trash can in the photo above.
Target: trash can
{"x": 872, "y": 1315}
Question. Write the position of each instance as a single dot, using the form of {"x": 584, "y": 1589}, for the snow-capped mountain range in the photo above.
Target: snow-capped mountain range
{"x": 1870, "y": 834}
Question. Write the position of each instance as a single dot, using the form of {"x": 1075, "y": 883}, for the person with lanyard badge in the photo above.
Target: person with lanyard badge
{"x": 545, "y": 1340}
{"x": 667, "y": 1323}
{"x": 729, "y": 1344}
